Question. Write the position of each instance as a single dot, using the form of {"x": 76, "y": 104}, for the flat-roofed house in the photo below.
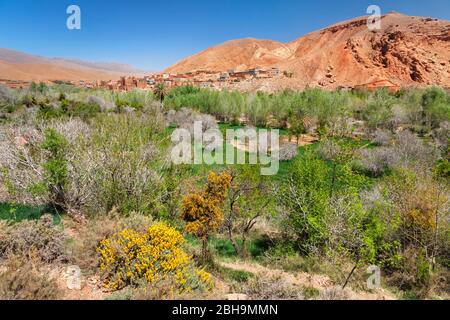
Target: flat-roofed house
{"x": 224, "y": 76}
{"x": 241, "y": 75}
{"x": 254, "y": 72}
{"x": 141, "y": 83}
{"x": 274, "y": 72}
{"x": 264, "y": 74}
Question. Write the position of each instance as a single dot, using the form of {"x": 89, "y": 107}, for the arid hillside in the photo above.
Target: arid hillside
{"x": 406, "y": 50}
{"x": 44, "y": 72}
{"x": 15, "y": 65}
{"x": 236, "y": 54}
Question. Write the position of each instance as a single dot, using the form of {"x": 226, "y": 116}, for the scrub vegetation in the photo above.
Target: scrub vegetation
{"x": 86, "y": 179}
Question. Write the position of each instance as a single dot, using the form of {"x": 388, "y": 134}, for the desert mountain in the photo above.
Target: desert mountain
{"x": 15, "y": 65}
{"x": 406, "y": 50}
{"x": 239, "y": 54}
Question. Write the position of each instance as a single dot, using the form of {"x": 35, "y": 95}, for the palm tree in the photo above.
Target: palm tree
{"x": 160, "y": 91}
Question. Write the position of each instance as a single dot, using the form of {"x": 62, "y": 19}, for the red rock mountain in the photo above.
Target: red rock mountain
{"x": 239, "y": 54}
{"x": 406, "y": 50}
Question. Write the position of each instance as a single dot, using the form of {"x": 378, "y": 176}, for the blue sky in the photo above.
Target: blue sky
{"x": 154, "y": 34}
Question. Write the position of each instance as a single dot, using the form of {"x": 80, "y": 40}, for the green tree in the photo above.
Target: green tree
{"x": 304, "y": 199}
{"x": 436, "y": 106}
{"x": 249, "y": 199}
{"x": 310, "y": 209}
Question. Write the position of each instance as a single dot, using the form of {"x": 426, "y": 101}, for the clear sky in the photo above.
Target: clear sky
{"x": 154, "y": 34}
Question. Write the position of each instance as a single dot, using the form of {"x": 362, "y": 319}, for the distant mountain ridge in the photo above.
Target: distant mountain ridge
{"x": 16, "y": 65}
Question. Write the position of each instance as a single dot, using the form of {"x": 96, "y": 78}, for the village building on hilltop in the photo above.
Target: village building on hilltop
{"x": 198, "y": 78}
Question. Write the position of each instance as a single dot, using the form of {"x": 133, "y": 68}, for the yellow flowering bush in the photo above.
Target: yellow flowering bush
{"x": 130, "y": 257}
{"x": 201, "y": 210}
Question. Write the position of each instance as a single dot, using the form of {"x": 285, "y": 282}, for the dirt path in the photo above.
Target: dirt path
{"x": 302, "y": 140}
{"x": 91, "y": 288}
{"x": 320, "y": 282}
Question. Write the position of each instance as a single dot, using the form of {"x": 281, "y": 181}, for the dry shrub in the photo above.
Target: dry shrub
{"x": 164, "y": 289}
{"x": 334, "y": 293}
{"x": 84, "y": 248}
{"x": 72, "y": 129}
{"x": 330, "y": 150}
{"x": 21, "y": 161}
{"x": 111, "y": 162}
{"x": 414, "y": 275}
{"x": 25, "y": 279}
{"x": 288, "y": 151}
{"x": 40, "y": 238}
{"x": 440, "y": 284}
{"x": 6, "y": 96}
{"x": 105, "y": 106}
{"x": 398, "y": 117}
{"x": 413, "y": 150}
{"x": 24, "y": 160}
{"x": 185, "y": 118}
{"x": 417, "y": 277}
{"x": 180, "y": 117}
{"x": 382, "y": 137}
{"x": 271, "y": 287}
{"x": 441, "y": 135}
{"x": 407, "y": 150}
{"x": 116, "y": 166}
{"x": 376, "y": 161}
{"x": 414, "y": 207}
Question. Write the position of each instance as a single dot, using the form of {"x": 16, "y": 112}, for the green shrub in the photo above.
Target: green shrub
{"x": 55, "y": 168}
{"x": 310, "y": 184}
{"x": 18, "y": 212}
{"x": 310, "y": 292}
{"x": 436, "y": 106}
{"x": 136, "y": 99}
{"x": 82, "y": 110}
{"x": 322, "y": 211}
{"x": 235, "y": 275}
{"x": 49, "y": 111}
{"x": 442, "y": 168}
